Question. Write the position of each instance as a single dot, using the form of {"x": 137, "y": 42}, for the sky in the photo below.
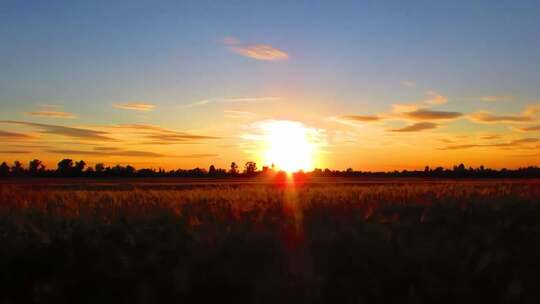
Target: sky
{"x": 183, "y": 84}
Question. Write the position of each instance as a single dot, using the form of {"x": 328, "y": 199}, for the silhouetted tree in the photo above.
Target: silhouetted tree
{"x": 99, "y": 168}
{"x": 35, "y": 167}
{"x": 65, "y": 167}
{"x": 234, "y": 168}
{"x": 212, "y": 170}
{"x": 79, "y": 167}
{"x": 250, "y": 168}
{"x": 17, "y": 168}
{"x": 4, "y": 169}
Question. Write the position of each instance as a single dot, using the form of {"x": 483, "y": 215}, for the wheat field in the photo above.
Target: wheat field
{"x": 445, "y": 242}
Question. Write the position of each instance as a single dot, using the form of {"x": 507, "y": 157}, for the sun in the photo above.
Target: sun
{"x": 288, "y": 146}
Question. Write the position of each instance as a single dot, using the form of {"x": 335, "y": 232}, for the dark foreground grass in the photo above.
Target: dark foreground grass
{"x": 419, "y": 243}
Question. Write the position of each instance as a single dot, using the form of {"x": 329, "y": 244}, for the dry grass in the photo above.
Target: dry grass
{"x": 419, "y": 242}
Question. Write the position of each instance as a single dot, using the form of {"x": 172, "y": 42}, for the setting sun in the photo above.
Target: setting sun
{"x": 288, "y": 146}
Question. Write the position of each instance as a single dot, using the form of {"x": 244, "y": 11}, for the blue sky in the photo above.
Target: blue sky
{"x": 343, "y": 58}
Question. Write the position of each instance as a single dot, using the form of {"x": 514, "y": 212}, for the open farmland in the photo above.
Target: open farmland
{"x": 253, "y": 241}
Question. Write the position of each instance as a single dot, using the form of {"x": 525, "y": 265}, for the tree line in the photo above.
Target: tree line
{"x": 70, "y": 168}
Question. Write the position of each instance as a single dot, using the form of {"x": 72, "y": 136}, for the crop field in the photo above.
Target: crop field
{"x": 326, "y": 241}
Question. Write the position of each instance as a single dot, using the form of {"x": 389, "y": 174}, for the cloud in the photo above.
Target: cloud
{"x": 495, "y": 98}
{"x": 423, "y": 114}
{"x": 15, "y": 152}
{"x": 13, "y": 135}
{"x": 77, "y": 133}
{"x": 518, "y": 143}
{"x": 106, "y": 148}
{"x": 127, "y": 153}
{"x": 158, "y": 135}
{"x": 263, "y": 52}
{"x": 533, "y": 128}
{"x": 50, "y": 106}
{"x": 421, "y": 126}
{"x": 201, "y": 155}
{"x": 237, "y": 114}
{"x": 529, "y": 114}
{"x": 484, "y": 116}
{"x": 408, "y": 83}
{"x": 135, "y": 106}
{"x": 55, "y": 114}
{"x": 361, "y": 118}
{"x": 232, "y": 100}
{"x": 490, "y": 137}
{"x": 459, "y": 147}
{"x": 435, "y": 98}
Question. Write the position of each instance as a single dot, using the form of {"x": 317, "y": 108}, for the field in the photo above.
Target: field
{"x": 251, "y": 241}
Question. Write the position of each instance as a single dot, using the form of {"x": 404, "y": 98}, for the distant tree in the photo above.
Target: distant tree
{"x": 17, "y": 168}
{"x": 36, "y": 166}
{"x": 4, "y": 169}
{"x": 130, "y": 170}
{"x": 250, "y": 168}
{"x": 65, "y": 167}
{"x": 99, "y": 168}
{"x": 212, "y": 170}
{"x": 79, "y": 167}
{"x": 234, "y": 168}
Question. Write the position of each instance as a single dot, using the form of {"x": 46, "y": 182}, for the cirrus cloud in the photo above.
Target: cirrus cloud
{"x": 361, "y": 118}
{"x": 424, "y": 114}
{"x": 420, "y": 126}
{"x": 135, "y": 106}
{"x": 15, "y": 136}
{"x": 514, "y": 144}
{"x": 533, "y": 128}
{"x": 53, "y": 114}
{"x": 263, "y": 52}
{"x": 76, "y": 133}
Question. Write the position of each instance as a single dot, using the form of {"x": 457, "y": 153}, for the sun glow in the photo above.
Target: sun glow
{"x": 288, "y": 146}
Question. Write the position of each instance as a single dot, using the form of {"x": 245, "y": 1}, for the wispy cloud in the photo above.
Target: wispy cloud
{"x": 421, "y": 126}
{"x": 518, "y": 143}
{"x": 232, "y": 100}
{"x": 361, "y": 118}
{"x": 126, "y": 153}
{"x": 490, "y": 137}
{"x": 50, "y": 106}
{"x": 435, "y": 98}
{"x": 15, "y": 152}
{"x": 495, "y": 98}
{"x": 533, "y": 128}
{"x": 263, "y": 52}
{"x": 54, "y": 114}
{"x": 77, "y": 133}
{"x": 237, "y": 114}
{"x": 199, "y": 155}
{"x": 423, "y": 114}
{"x": 529, "y": 114}
{"x": 107, "y": 148}
{"x": 484, "y": 116}
{"x": 408, "y": 83}
{"x": 135, "y": 106}
{"x": 432, "y": 99}
{"x": 158, "y": 135}
{"x": 14, "y": 135}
